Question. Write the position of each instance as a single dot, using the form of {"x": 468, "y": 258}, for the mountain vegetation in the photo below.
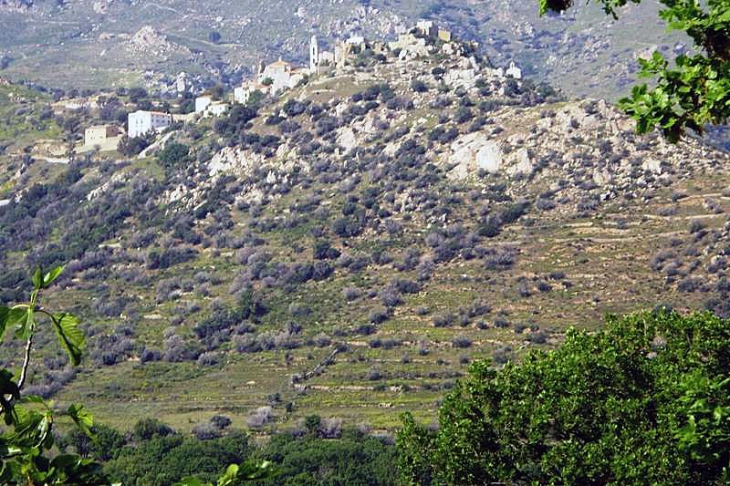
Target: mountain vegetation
{"x": 346, "y": 249}
{"x": 393, "y": 271}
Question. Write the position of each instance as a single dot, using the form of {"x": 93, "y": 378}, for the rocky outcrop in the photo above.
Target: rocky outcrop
{"x": 150, "y": 41}
{"x": 102, "y": 6}
{"x": 587, "y": 146}
{"x": 231, "y": 160}
{"x": 475, "y": 152}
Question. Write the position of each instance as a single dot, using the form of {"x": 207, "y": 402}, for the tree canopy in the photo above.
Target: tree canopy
{"x": 695, "y": 91}
{"x": 643, "y": 401}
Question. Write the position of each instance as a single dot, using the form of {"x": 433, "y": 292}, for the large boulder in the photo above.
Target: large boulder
{"x": 473, "y": 152}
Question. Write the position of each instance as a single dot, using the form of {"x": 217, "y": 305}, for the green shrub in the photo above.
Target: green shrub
{"x": 644, "y": 401}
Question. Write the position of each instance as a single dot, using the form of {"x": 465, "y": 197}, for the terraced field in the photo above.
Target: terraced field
{"x": 606, "y": 263}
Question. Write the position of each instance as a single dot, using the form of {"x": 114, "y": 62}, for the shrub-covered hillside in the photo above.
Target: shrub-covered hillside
{"x": 349, "y": 248}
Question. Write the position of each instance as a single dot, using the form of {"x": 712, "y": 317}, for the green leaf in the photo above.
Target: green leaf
{"x": 230, "y": 476}
{"x": 23, "y": 320}
{"x": 251, "y": 470}
{"x": 51, "y": 276}
{"x": 8, "y": 390}
{"x": 65, "y": 461}
{"x": 16, "y": 315}
{"x": 82, "y": 418}
{"x": 37, "y": 278}
{"x": 9, "y": 450}
{"x": 69, "y": 335}
{"x": 33, "y": 399}
{"x": 44, "y": 430}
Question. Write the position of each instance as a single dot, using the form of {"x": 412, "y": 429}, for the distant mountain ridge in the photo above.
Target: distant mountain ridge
{"x": 82, "y": 43}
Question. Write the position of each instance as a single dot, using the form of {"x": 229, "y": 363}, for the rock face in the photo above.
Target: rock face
{"x": 462, "y": 78}
{"x": 475, "y": 152}
{"x": 235, "y": 161}
{"x": 149, "y": 41}
{"x": 587, "y": 144}
{"x": 347, "y": 139}
{"x": 521, "y": 163}
{"x": 102, "y": 6}
{"x": 489, "y": 158}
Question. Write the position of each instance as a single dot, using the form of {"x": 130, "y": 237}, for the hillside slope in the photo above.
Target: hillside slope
{"x": 347, "y": 249}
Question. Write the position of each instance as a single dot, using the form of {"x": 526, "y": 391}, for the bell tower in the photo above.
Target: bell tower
{"x": 313, "y": 55}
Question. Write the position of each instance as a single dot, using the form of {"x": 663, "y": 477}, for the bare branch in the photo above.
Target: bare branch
{"x": 26, "y": 362}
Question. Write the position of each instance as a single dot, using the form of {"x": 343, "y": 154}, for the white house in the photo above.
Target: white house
{"x": 142, "y": 122}
{"x": 326, "y": 58}
{"x": 202, "y": 102}
{"x": 513, "y": 71}
{"x": 427, "y": 28}
{"x": 356, "y": 40}
{"x": 282, "y": 75}
{"x": 217, "y": 108}
{"x": 241, "y": 94}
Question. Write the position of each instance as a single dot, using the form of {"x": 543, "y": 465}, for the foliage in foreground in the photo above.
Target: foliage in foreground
{"x": 696, "y": 91}
{"x": 644, "y": 401}
{"x": 27, "y": 439}
{"x": 167, "y": 459}
{"x": 164, "y": 459}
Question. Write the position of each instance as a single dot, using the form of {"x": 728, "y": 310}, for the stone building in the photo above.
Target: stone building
{"x": 427, "y": 28}
{"x": 326, "y": 58}
{"x": 357, "y": 41}
{"x": 445, "y": 35}
{"x": 216, "y": 109}
{"x": 410, "y": 47}
{"x": 99, "y": 134}
{"x": 281, "y": 75}
{"x": 243, "y": 93}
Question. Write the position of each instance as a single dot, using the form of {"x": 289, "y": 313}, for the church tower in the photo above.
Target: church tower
{"x": 313, "y": 55}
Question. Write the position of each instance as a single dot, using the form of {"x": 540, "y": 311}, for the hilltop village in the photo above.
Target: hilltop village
{"x": 271, "y": 80}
